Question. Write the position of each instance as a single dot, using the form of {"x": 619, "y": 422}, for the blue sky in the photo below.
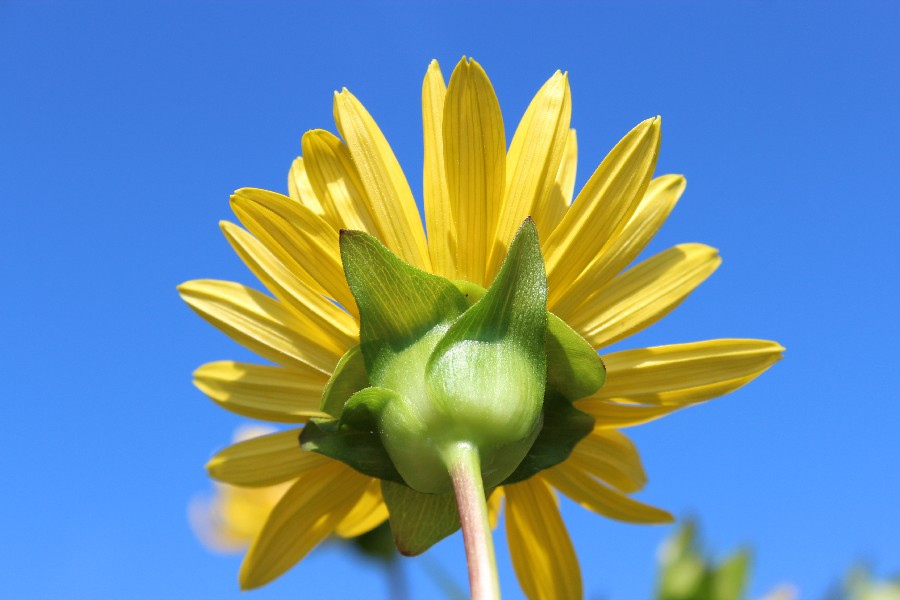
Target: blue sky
{"x": 125, "y": 126}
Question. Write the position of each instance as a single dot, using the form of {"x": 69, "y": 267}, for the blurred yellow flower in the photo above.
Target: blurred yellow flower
{"x": 476, "y": 194}
{"x": 228, "y": 520}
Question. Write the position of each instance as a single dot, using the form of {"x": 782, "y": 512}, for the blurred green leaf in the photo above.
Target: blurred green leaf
{"x": 686, "y": 574}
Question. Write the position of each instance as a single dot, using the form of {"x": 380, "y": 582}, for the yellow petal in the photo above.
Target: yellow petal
{"x": 264, "y": 460}
{"x": 644, "y": 294}
{"x": 392, "y": 204}
{"x": 263, "y": 392}
{"x": 654, "y": 208}
{"x": 602, "y": 208}
{"x": 685, "y": 373}
{"x": 306, "y": 515}
{"x": 612, "y": 415}
{"x": 554, "y": 209}
{"x": 320, "y": 318}
{"x": 300, "y": 189}
{"x": 612, "y": 457}
{"x": 439, "y": 219}
{"x": 541, "y": 552}
{"x": 475, "y": 163}
{"x": 259, "y": 323}
{"x": 304, "y": 242}
{"x": 593, "y": 495}
{"x": 533, "y": 163}
{"x": 369, "y": 513}
{"x": 336, "y": 182}
{"x": 495, "y": 506}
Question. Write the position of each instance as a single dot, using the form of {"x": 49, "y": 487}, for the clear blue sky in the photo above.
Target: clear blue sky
{"x": 124, "y": 126}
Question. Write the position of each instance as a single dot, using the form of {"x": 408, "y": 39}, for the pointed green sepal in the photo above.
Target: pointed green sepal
{"x": 397, "y": 302}
{"x": 419, "y": 521}
{"x": 514, "y": 309}
{"x": 564, "y": 426}
{"x": 574, "y": 369}
{"x": 354, "y": 439}
{"x": 486, "y": 376}
{"x": 349, "y": 377}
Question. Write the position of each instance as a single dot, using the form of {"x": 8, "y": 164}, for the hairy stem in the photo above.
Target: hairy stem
{"x": 464, "y": 465}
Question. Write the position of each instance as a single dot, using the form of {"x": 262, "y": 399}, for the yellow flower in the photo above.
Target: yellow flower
{"x": 476, "y": 194}
{"x": 232, "y": 517}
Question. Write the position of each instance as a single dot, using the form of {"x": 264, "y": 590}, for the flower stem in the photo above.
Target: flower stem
{"x": 464, "y": 465}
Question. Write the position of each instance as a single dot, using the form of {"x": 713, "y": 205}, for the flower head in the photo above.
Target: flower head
{"x": 332, "y": 291}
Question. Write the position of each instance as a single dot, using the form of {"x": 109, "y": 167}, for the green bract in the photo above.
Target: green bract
{"x": 444, "y": 363}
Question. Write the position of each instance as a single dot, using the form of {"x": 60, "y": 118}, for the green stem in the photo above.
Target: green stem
{"x": 464, "y": 465}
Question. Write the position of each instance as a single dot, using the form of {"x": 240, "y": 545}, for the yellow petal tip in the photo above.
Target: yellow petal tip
{"x": 212, "y": 465}
{"x": 185, "y": 288}
{"x": 249, "y": 580}
{"x": 244, "y": 192}
{"x": 245, "y": 581}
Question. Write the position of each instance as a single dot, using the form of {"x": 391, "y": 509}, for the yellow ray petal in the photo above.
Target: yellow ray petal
{"x": 612, "y": 415}
{"x": 602, "y": 208}
{"x": 304, "y": 242}
{"x": 300, "y": 189}
{"x": 685, "y": 373}
{"x": 321, "y": 319}
{"x": 541, "y": 552}
{"x": 438, "y": 212}
{"x": 495, "y": 506}
{"x": 264, "y": 460}
{"x": 392, "y": 204}
{"x": 336, "y": 182}
{"x": 369, "y": 513}
{"x": 554, "y": 209}
{"x": 259, "y": 323}
{"x": 533, "y": 162}
{"x": 593, "y": 495}
{"x": 612, "y": 457}
{"x": 306, "y": 515}
{"x": 654, "y": 208}
{"x": 263, "y": 392}
{"x": 644, "y": 294}
{"x": 475, "y": 163}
